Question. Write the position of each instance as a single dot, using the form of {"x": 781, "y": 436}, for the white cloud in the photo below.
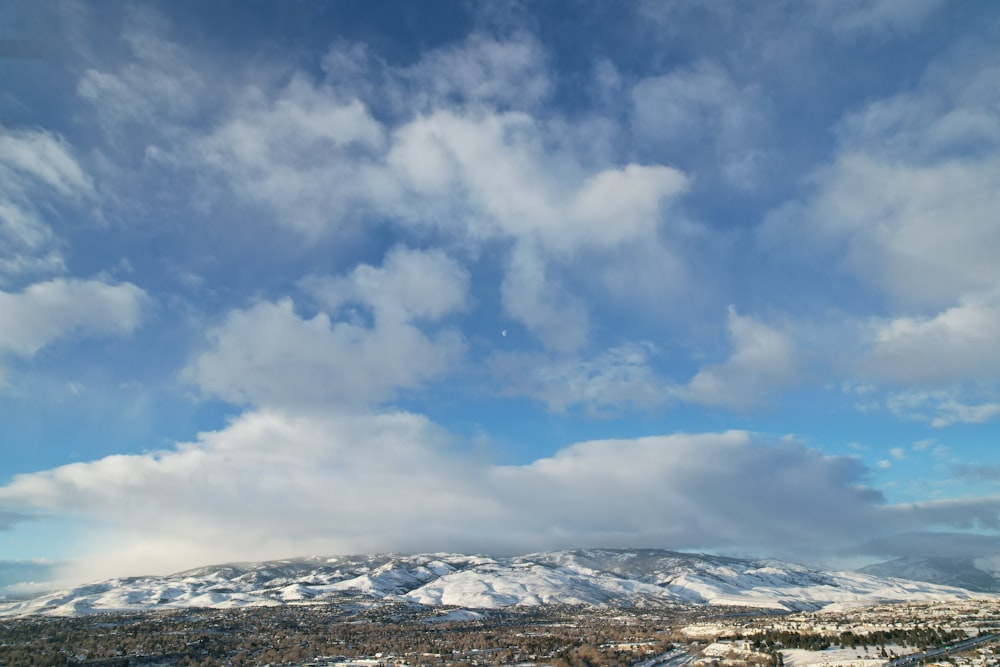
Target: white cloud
{"x": 45, "y": 312}
{"x": 943, "y": 407}
{"x": 270, "y": 485}
{"x": 269, "y": 355}
{"x": 499, "y": 170}
{"x": 922, "y": 233}
{"x": 300, "y": 150}
{"x": 35, "y": 166}
{"x": 44, "y": 157}
{"x": 764, "y": 359}
{"x": 409, "y": 285}
{"x": 465, "y": 158}
{"x": 958, "y": 344}
{"x": 158, "y": 83}
{"x": 908, "y": 203}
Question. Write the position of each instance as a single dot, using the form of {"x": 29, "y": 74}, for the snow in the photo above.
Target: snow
{"x": 592, "y": 577}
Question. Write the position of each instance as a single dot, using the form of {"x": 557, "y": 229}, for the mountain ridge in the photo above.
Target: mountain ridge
{"x": 634, "y": 578}
{"x": 974, "y": 574}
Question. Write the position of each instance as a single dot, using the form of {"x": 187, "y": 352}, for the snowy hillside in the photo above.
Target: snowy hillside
{"x": 974, "y": 574}
{"x": 610, "y": 577}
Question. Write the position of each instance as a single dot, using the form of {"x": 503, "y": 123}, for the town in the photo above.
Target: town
{"x": 346, "y": 635}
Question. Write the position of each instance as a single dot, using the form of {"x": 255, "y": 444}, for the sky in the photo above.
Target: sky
{"x": 291, "y": 278}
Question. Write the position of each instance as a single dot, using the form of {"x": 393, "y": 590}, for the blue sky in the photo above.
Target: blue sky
{"x": 289, "y": 278}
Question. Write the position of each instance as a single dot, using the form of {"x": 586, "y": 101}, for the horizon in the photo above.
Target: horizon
{"x": 474, "y": 277}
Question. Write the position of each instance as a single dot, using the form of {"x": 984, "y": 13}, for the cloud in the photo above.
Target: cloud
{"x": 452, "y": 147}
{"x": 907, "y": 203}
{"x": 906, "y": 206}
{"x": 958, "y": 344}
{"x": 18, "y": 577}
{"x": 9, "y": 519}
{"x": 268, "y": 355}
{"x": 35, "y": 166}
{"x": 978, "y": 472}
{"x": 45, "y": 312}
{"x": 554, "y": 316}
{"x": 941, "y": 408}
{"x": 300, "y": 150}
{"x": 156, "y": 82}
{"x": 410, "y": 285}
{"x": 498, "y": 168}
{"x": 480, "y": 70}
{"x": 617, "y": 380}
{"x": 272, "y": 483}
{"x": 703, "y": 104}
{"x": 857, "y": 18}
{"x": 764, "y": 359}
{"x": 931, "y": 544}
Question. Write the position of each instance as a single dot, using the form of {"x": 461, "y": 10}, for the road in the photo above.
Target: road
{"x": 675, "y": 658}
{"x": 957, "y": 647}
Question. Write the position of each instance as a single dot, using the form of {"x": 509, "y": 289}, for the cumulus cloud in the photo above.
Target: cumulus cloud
{"x": 299, "y": 150}
{"x": 907, "y": 207}
{"x": 955, "y": 345}
{"x": 764, "y": 359}
{"x": 57, "y": 309}
{"x": 908, "y": 202}
{"x": 269, "y": 355}
{"x": 409, "y": 285}
{"x": 270, "y": 483}
{"x": 497, "y": 167}
{"x": 452, "y": 144}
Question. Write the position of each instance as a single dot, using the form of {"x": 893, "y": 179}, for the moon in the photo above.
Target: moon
{"x": 503, "y": 333}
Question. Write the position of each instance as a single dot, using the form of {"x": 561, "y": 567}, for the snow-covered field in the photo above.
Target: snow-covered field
{"x": 836, "y": 657}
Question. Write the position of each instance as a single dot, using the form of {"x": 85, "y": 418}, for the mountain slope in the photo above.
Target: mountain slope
{"x": 968, "y": 573}
{"x": 627, "y": 578}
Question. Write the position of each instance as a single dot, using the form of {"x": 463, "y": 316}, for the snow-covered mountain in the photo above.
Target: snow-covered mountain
{"x": 608, "y": 577}
{"x": 974, "y": 574}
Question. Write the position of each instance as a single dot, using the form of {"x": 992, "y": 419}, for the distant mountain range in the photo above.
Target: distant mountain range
{"x": 973, "y": 574}
{"x": 637, "y": 578}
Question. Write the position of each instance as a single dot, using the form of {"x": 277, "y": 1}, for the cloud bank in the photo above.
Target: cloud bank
{"x": 272, "y": 484}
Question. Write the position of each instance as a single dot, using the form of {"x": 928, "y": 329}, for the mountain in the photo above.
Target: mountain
{"x": 974, "y": 574}
{"x": 634, "y": 578}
